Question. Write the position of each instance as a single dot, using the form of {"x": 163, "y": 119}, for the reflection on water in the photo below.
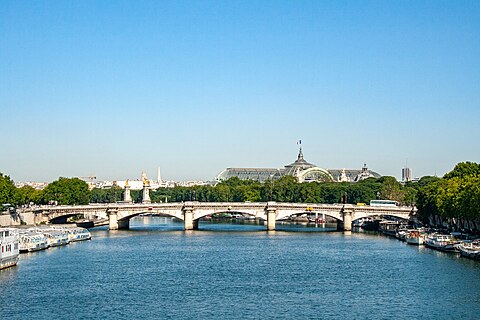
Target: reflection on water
{"x": 235, "y": 271}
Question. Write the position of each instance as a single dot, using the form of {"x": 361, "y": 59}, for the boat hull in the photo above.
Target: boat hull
{"x": 469, "y": 252}
{"x": 444, "y": 248}
{"x": 57, "y": 243}
{"x": 36, "y": 247}
{"x": 8, "y": 262}
{"x": 415, "y": 241}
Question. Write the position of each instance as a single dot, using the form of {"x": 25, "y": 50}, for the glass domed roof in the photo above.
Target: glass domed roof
{"x": 299, "y": 165}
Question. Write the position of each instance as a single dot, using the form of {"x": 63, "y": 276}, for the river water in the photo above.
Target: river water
{"x": 226, "y": 271}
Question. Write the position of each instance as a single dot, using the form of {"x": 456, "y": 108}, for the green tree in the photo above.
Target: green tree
{"x": 469, "y": 198}
{"x": 110, "y": 195}
{"x": 456, "y": 195}
{"x": 222, "y": 193}
{"x": 285, "y": 189}
{"x": 391, "y": 189}
{"x": 424, "y": 181}
{"x": 67, "y": 191}
{"x": 8, "y": 192}
{"x": 26, "y": 194}
{"x": 410, "y": 196}
{"x": 464, "y": 169}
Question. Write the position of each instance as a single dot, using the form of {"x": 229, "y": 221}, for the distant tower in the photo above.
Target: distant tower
{"x": 406, "y": 174}
{"x": 159, "y": 177}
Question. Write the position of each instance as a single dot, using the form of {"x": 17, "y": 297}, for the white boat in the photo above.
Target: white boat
{"x": 55, "y": 237}
{"x": 415, "y": 237}
{"x": 31, "y": 240}
{"x": 78, "y": 234}
{"x": 470, "y": 249}
{"x": 442, "y": 242}
{"x": 9, "y": 248}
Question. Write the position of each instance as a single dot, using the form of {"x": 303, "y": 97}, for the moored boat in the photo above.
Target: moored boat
{"x": 415, "y": 237}
{"x": 9, "y": 248}
{"x": 31, "y": 240}
{"x": 78, "y": 234}
{"x": 55, "y": 237}
{"x": 442, "y": 242}
{"x": 388, "y": 227}
{"x": 470, "y": 249}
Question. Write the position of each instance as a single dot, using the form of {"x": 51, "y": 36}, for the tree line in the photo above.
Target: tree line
{"x": 456, "y": 195}
{"x": 73, "y": 191}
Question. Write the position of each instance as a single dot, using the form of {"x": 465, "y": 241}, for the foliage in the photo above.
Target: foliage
{"x": 113, "y": 194}
{"x": 288, "y": 189}
{"x": 456, "y": 195}
{"x": 66, "y": 191}
{"x": 27, "y": 195}
{"x": 464, "y": 169}
{"x": 391, "y": 189}
{"x": 8, "y": 192}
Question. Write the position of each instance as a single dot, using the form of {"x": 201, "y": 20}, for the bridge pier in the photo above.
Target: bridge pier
{"x": 112, "y": 220}
{"x": 347, "y": 219}
{"x": 271, "y": 216}
{"x": 114, "y": 223}
{"x": 189, "y": 223}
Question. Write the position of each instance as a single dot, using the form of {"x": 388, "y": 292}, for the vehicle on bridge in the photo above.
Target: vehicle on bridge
{"x": 384, "y": 203}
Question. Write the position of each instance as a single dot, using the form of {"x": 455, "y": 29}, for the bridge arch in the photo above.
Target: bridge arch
{"x": 201, "y": 213}
{"x": 367, "y": 214}
{"x": 62, "y": 218}
{"x": 127, "y": 215}
{"x": 284, "y": 214}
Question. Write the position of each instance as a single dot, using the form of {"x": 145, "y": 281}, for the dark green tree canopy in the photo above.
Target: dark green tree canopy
{"x": 67, "y": 191}
{"x": 8, "y": 192}
{"x": 456, "y": 195}
{"x": 464, "y": 169}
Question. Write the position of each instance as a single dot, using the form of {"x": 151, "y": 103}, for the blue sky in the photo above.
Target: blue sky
{"x": 112, "y": 88}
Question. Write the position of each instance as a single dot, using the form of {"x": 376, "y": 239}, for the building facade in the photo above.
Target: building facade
{"x": 300, "y": 169}
{"x": 407, "y": 174}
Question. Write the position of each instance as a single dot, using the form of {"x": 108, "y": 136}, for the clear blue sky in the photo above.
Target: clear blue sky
{"x": 112, "y": 88}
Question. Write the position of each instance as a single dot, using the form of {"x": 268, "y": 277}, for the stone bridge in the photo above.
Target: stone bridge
{"x": 119, "y": 214}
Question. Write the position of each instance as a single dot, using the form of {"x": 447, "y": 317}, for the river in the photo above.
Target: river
{"x": 228, "y": 271}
